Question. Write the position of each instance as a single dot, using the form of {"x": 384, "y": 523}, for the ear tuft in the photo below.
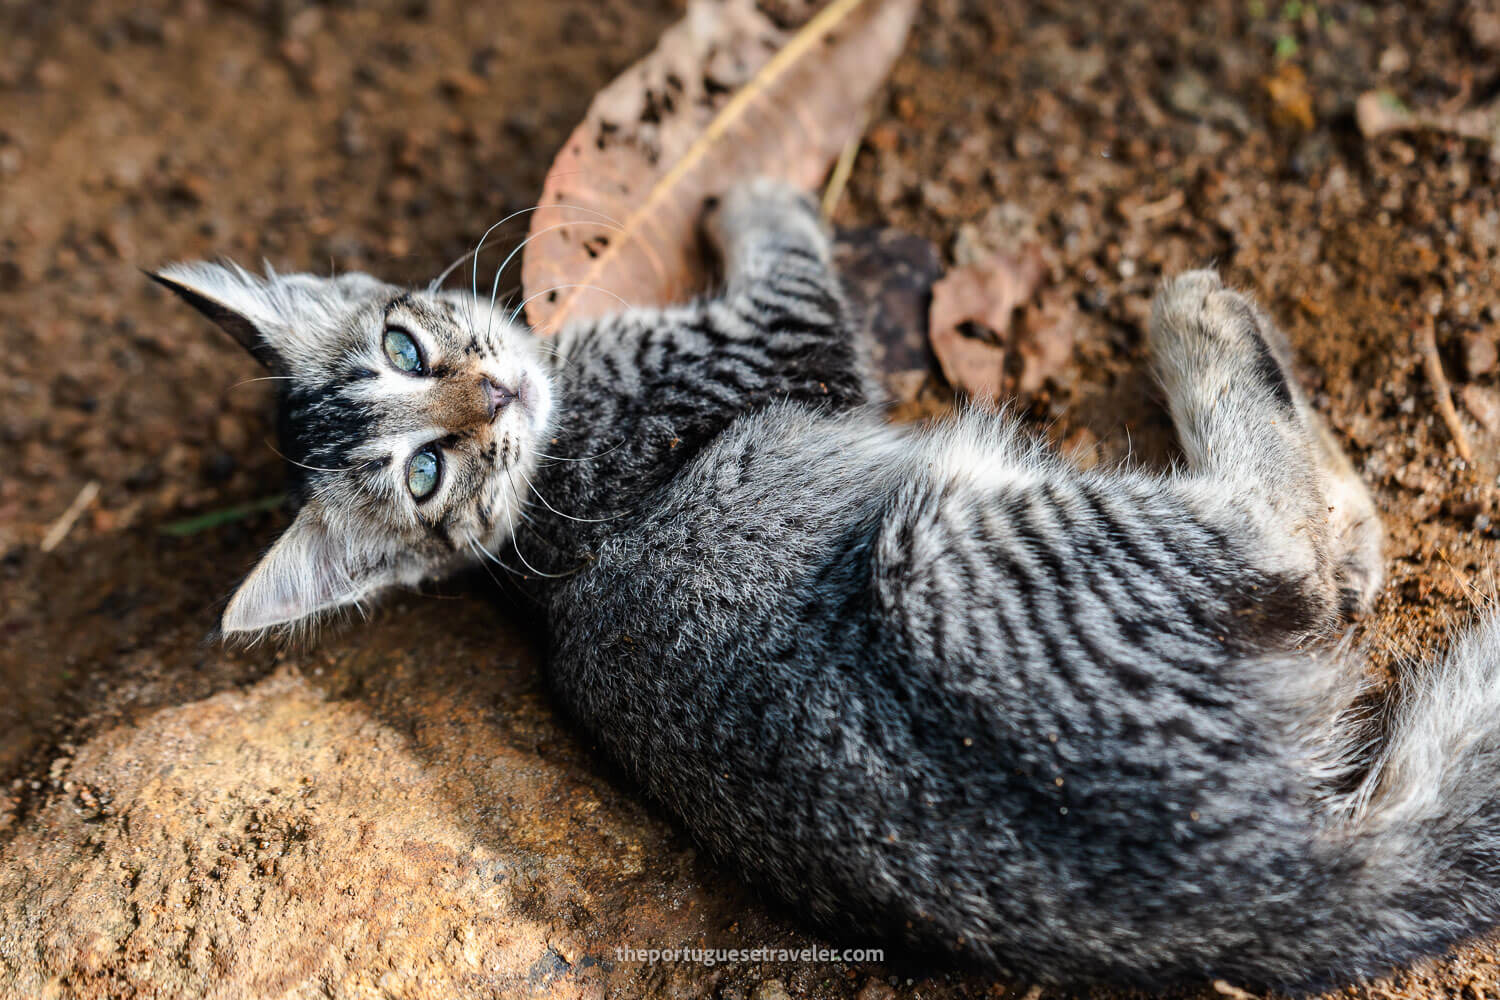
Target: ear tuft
{"x": 230, "y": 296}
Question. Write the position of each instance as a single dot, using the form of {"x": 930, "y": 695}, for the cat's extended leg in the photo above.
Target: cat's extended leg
{"x": 780, "y": 289}
{"x": 1265, "y": 456}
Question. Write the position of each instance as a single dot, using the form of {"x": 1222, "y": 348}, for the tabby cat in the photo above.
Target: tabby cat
{"x": 929, "y": 684}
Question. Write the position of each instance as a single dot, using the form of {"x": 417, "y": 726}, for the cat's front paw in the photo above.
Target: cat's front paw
{"x": 764, "y": 214}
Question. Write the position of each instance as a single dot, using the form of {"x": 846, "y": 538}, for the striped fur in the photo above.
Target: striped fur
{"x": 939, "y": 687}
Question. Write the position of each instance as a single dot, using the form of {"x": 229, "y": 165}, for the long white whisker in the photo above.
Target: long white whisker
{"x": 539, "y": 233}
{"x": 500, "y": 270}
{"x": 264, "y": 378}
{"x": 587, "y": 458}
{"x": 515, "y": 542}
{"x": 302, "y": 465}
{"x": 479, "y": 550}
{"x": 555, "y": 288}
{"x": 570, "y": 517}
{"x": 437, "y": 282}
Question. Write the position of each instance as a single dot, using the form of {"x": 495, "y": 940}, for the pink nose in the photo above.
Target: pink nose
{"x": 496, "y": 396}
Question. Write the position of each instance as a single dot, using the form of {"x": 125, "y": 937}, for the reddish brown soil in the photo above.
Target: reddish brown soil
{"x": 1129, "y": 139}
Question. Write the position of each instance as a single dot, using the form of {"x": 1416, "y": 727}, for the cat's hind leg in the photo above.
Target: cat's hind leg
{"x": 1263, "y": 456}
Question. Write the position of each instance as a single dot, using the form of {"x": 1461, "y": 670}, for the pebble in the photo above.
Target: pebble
{"x": 1479, "y": 353}
{"x": 770, "y": 989}
{"x": 1484, "y": 403}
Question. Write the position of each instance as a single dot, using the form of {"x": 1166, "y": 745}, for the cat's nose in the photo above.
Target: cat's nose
{"x": 496, "y": 396}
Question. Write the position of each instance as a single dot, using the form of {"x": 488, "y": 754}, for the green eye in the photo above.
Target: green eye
{"x": 422, "y": 473}
{"x": 402, "y": 350}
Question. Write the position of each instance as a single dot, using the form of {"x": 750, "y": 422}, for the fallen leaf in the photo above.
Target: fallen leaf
{"x": 1044, "y": 342}
{"x": 727, "y": 94}
{"x": 1291, "y": 103}
{"x": 888, "y": 276}
{"x": 970, "y": 319}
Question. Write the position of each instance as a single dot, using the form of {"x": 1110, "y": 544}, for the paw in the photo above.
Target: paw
{"x": 764, "y": 213}
{"x": 1356, "y": 537}
{"x": 1201, "y": 330}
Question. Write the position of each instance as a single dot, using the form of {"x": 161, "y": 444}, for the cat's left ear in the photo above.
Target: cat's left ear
{"x": 242, "y": 304}
{"x": 313, "y": 568}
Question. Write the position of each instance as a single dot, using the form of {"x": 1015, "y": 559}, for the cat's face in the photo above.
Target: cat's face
{"x": 410, "y": 420}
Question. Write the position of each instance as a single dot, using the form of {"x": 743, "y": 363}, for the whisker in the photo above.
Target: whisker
{"x": 570, "y": 517}
{"x": 437, "y": 282}
{"x": 301, "y": 465}
{"x": 522, "y": 245}
{"x": 586, "y": 458}
{"x": 486, "y": 554}
{"x": 555, "y": 288}
{"x": 515, "y": 542}
{"x": 524, "y": 562}
{"x": 263, "y": 378}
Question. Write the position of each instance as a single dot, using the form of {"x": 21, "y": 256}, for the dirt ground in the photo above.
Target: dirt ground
{"x": 397, "y": 810}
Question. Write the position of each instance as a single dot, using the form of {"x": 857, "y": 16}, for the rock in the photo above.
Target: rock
{"x": 1191, "y": 94}
{"x": 1479, "y": 353}
{"x": 1484, "y": 403}
{"x": 443, "y": 839}
{"x": 771, "y": 989}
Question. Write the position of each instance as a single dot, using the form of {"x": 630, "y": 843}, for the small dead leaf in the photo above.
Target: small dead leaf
{"x": 1291, "y": 103}
{"x": 970, "y": 319}
{"x": 728, "y": 94}
{"x": 1044, "y": 342}
{"x": 888, "y": 276}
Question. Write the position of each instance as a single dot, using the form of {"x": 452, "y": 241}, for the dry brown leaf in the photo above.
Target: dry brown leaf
{"x": 1291, "y": 102}
{"x": 1044, "y": 341}
{"x": 727, "y": 94}
{"x": 970, "y": 319}
{"x": 888, "y": 276}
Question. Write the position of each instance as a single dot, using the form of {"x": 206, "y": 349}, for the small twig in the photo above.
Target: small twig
{"x": 1427, "y": 344}
{"x": 1234, "y": 992}
{"x": 60, "y": 528}
{"x": 213, "y": 519}
{"x": 843, "y": 167}
{"x": 1156, "y": 209}
{"x": 1377, "y": 112}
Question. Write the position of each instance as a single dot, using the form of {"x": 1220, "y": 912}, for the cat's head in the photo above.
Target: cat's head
{"x": 410, "y": 420}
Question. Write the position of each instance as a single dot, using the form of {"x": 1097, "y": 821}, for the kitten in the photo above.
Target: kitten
{"x": 932, "y": 685}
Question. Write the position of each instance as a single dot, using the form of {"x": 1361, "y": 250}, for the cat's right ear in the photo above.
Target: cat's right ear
{"x": 239, "y": 302}
{"x": 312, "y": 569}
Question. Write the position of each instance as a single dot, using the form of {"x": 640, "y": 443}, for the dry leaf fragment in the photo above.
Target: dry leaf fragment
{"x": 1044, "y": 341}
{"x": 1291, "y": 103}
{"x": 888, "y": 276}
{"x": 970, "y": 320}
{"x": 727, "y": 94}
